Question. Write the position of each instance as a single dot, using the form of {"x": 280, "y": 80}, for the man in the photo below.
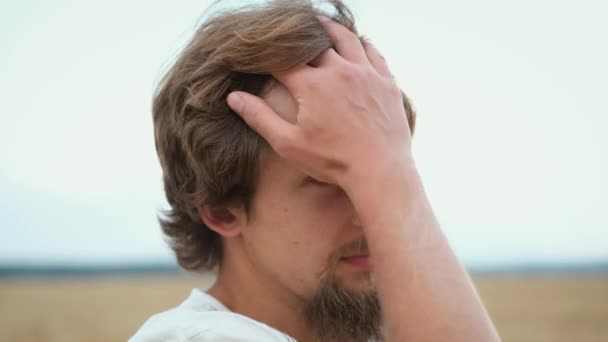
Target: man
{"x": 286, "y": 151}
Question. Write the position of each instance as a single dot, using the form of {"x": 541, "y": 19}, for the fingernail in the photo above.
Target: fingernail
{"x": 323, "y": 18}
{"x": 235, "y": 101}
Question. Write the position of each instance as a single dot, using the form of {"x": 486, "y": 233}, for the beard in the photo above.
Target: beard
{"x": 337, "y": 313}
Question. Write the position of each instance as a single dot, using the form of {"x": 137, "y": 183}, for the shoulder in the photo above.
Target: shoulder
{"x": 189, "y": 323}
{"x": 179, "y": 325}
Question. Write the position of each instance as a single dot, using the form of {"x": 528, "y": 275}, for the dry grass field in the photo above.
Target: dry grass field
{"x": 530, "y": 308}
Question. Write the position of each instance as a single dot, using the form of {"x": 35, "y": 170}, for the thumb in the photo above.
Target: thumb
{"x": 260, "y": 117}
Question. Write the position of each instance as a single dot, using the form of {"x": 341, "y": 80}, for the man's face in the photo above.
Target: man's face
{"x": 303, "y": 240}
{"x": 301, "y": 232}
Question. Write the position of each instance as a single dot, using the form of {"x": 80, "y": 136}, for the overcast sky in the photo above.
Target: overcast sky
{"x": 511, "y": 138}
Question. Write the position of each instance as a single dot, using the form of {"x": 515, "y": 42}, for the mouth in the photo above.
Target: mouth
{"x": 360, "y": 261}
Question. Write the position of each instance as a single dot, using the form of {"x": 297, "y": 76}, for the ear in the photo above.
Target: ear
{"x": 227, "y": 222}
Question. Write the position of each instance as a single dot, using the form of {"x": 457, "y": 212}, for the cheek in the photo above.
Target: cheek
{"x": 294, "y": 236}
{"x": 313, "y": 226}
{"x": 287, "y": 255}
{"x": 330, "y": 208}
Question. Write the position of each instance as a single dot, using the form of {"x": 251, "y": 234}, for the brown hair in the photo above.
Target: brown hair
{"x": 207, "y": 153}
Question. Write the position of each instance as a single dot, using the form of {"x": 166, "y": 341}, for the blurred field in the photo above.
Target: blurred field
{"x": 530, "y": 308}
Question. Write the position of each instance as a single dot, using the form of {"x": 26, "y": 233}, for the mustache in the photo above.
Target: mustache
{"x": 358, "y": 246}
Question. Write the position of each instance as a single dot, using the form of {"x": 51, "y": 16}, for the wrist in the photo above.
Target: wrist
{"x": 387, "y": 171}
{"x": 388, "y": 191}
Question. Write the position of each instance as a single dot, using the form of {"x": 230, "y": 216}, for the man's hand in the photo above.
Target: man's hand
{"x": 350, "y": 120}
{"x": 351, "y": 130}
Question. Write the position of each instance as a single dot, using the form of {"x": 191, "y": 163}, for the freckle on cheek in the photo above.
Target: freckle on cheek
{"x": 285, "y": 209}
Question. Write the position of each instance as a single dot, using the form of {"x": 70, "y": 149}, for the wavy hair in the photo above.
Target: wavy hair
{"x": 207, "y": 153}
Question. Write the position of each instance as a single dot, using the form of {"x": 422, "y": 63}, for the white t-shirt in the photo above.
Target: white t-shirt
{"x": 200, "y": 318}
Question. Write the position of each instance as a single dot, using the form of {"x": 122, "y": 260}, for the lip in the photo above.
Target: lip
{"x": 359, "y": 261}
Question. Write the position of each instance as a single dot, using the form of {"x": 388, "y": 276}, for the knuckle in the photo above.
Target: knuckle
{"x": 393, "y": 89}
{"x": 369, "y": 72}
{"x": 346, "y": 33}
{"x": 349, "y": 73}
{"x": 313, "y": 85}
{"x": 283, "y": 146}
{"x": 374, "y": 51}
{"x": 279, "y": 141}
{"x": 338, "y": 29}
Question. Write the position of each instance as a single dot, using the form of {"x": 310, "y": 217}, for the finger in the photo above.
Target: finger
{"x": 260, "y": 117}
{"x": 376, "y": 59}
{"x": 294, "y": 77}
{"x": 324, "y": 58}
{"x": 347, "y": 43}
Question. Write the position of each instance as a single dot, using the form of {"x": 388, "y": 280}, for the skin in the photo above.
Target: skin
{"x": 347, "y": 100}
{"x": 295, "y": 231}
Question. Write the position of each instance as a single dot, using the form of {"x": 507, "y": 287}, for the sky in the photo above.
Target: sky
{"x": 510, "y": 137}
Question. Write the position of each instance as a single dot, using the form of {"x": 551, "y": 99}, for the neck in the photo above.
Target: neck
{"x": 242, "y": 289}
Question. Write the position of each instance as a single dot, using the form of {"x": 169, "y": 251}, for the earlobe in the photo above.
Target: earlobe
{"x": 224, "y": 221}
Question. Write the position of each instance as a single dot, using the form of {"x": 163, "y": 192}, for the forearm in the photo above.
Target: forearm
{"x": 426, "y": 294}
{"x": 350, "y": 111}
